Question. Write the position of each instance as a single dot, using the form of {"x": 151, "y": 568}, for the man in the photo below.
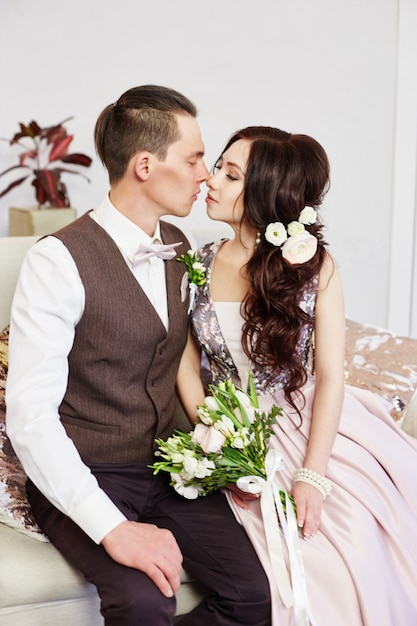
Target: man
{"x": 97, "y": 331}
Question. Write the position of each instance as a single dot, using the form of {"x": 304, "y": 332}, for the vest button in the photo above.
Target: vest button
{"x": 154, "y": 382}
{"x": 162, "y": 352}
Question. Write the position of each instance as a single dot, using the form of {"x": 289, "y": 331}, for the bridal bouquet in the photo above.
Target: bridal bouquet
{"x": 228, "y": 444}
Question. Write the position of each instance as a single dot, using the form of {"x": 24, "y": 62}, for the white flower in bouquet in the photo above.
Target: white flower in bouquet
{"x": 246, "y": 403}
{"x": 242, "y": 438}
{"x": 209, "y": 438}
{"x": 189, "y": 467}
{"x": 204, "y": 411}
{"x": 191, "y": 493}
{"x": 225, "y": 426}
{"x": 210, "y": 404}
{"x": 230, "y": 440}
{"x": 194, "y": 468}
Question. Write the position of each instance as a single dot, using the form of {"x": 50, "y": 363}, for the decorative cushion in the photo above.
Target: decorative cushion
{"x": 15, "y": 509}
{"x": 381, "y": 362}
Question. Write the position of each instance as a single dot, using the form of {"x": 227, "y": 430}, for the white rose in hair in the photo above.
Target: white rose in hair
{"x": 299, "y": 248}
{"x": 275, "y": 233}
{"x": 295, "y": 228}
{"x": 308, "y": 215}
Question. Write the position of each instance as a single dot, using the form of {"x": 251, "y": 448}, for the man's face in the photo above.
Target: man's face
{"x": 176, "y": 181}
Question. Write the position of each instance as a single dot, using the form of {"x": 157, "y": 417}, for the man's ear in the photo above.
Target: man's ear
{"x": 141, "y": 165}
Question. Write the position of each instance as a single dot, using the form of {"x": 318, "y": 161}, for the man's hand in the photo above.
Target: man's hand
{"x": 150, "y": 549}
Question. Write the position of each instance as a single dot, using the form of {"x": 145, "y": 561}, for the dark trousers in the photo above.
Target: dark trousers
{"x": 215, "y": 549}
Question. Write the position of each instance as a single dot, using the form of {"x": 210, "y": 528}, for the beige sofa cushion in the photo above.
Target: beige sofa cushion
{"x": 38, "y": 587}
{"x": 12, "y": 251}
{"x": 51, "y": 577}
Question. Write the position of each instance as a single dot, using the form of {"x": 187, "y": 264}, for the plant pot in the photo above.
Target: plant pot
{"x": 33, "y": 221}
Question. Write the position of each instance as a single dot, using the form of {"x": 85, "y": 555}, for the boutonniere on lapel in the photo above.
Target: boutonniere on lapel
{"x": 194, "y": 277}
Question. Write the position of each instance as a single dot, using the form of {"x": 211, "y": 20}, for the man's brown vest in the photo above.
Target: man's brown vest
{"x": 123, "y": 363}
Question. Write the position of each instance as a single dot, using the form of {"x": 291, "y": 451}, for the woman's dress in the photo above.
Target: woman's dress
{"x": 361, "y": 566}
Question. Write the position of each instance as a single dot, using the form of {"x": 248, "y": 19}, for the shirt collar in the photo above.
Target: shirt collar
{"x": 123, "y": 231}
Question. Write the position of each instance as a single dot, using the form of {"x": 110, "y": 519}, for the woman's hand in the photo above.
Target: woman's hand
{"x": 241, "y": 497}
{"x": 309, "y": 503}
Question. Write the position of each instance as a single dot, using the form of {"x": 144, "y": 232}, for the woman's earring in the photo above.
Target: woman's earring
{"x": 258, "y": 239}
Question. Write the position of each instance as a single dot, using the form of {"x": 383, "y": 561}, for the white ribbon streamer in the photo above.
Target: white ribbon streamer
{"x": 191, "y": 288}
{"x": 193, "y": 293}
{"x": 293, "y": 593}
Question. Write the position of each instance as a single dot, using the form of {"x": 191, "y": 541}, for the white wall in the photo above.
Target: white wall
{"x": 402, "y": 312}
{"x": 323, "y": 67}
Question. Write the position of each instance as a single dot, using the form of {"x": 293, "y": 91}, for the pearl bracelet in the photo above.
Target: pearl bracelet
{"x": 321, "y": 483}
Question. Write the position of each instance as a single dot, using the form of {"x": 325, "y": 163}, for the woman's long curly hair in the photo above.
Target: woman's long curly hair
{"x": 284, "y": 173}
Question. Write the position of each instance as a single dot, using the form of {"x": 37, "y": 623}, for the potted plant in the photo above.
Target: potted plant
{"x": 43, "y": 153}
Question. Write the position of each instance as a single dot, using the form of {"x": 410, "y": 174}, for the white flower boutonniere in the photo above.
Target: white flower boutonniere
{"x": 194, "y": 277}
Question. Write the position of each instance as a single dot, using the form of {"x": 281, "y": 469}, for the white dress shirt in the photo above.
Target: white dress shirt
{"x": 48, "y": 304}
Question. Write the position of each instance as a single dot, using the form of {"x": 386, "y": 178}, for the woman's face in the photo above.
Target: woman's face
{"x": 225, "y": 197}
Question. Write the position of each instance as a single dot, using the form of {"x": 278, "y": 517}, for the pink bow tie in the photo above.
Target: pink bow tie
{"x": 160, "y": 250}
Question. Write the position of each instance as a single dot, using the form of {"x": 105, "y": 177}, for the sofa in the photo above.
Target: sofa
{"x": 37, "y": 586}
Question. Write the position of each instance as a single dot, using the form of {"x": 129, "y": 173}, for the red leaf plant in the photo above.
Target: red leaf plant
{"x": 46, "y": 145}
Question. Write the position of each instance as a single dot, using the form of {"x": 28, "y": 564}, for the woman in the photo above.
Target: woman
{"x": 268, "y": 292}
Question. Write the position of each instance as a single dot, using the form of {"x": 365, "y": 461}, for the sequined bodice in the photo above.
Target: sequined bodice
{"x": 209, "y": 334}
